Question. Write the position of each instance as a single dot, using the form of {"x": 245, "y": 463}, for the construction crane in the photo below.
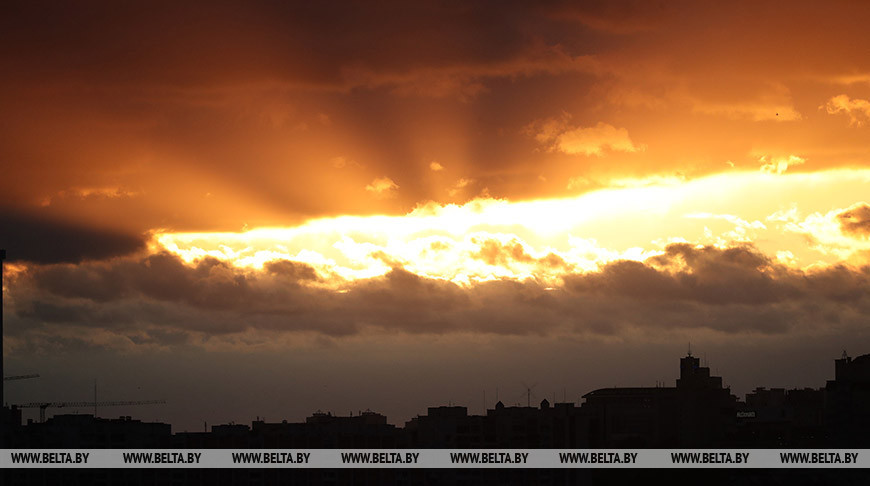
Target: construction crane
{"x": 42, "y": 406}
{"x": 19, "y": 377}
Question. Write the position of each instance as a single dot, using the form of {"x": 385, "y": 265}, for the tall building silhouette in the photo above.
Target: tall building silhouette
{"x": 847, "y": 407}
{"x": 697, "y": 412}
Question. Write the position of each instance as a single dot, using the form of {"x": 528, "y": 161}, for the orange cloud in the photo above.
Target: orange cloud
{"x": 856, "y": 220}
{"x": 383, "y": 187}
{"x": 779, "y": 165}
{"x": 559, "y": 135}
{"x": 459, "y": 185}
{"x": 856, "y": 109}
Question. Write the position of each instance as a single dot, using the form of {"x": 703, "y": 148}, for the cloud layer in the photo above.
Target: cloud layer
{"x": 857, "y": 110}
{"x": 559, "y": 135}
{"x": 160, "y": 301}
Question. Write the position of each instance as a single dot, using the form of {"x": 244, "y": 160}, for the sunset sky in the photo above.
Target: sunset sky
{"x": 270, "y": 208}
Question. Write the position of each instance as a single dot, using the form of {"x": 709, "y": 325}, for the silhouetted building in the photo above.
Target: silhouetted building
{"x": 226, "y": 436}
{"x": 847, "y": 406}
{"x": 447, "y": 428}
{"x": 87, "y": 432}
{"x": 778, "y": 417}
{"x": 365, "y": 430}
{"x": 631, "y": 417}
{"x": 502, "y": 427}
{"x": 10, "y": 425}
{"x": 698, "y": 412}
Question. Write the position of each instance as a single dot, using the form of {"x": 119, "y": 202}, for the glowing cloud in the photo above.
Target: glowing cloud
{"x": 779, "y": 165}
{"x": 560, "y": 136}
{"x": 488, "y": 239}
{"x": 460, "y": 184}
{"x": 857, "y": 109}
{"x": 383, "y": 187}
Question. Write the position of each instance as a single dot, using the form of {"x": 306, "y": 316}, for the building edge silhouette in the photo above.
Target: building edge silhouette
{"x": 697, "y": 412}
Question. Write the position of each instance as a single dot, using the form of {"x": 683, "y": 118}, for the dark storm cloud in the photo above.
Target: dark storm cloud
{"x": 733, "y": 290}
{"x": 856, "y": 220}
{"x": 28, "y": 236}
{"x": 292, "y": 270}
{"x": 840, "y": 284}
{"x": 214, "y": 298}
{"x": 708, "y": 275}
{"x": 210, "y": 284}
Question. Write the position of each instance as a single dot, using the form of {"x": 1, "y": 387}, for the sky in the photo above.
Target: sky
{"x": 264, "y": 209}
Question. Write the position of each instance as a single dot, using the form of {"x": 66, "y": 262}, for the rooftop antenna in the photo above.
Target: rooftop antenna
{"x": 844, "y": 352}
{"x": 529, "y": 394}
{"x": 690, "y": 348}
